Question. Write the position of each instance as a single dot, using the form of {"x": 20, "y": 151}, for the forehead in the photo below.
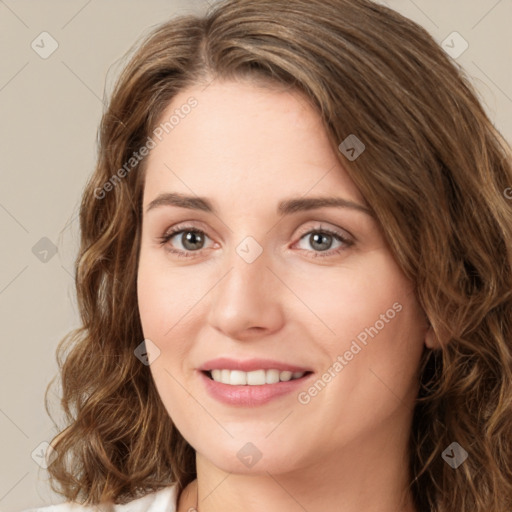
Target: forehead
{"x": 242, "y": 139}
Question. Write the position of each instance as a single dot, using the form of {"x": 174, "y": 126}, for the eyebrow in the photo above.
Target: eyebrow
{"x": 285, "y": 207}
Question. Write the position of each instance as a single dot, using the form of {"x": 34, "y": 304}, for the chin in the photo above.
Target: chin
{"x": 254, "y": 458}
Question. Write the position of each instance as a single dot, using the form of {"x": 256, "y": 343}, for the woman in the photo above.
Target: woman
{"x": 295, "y": 274}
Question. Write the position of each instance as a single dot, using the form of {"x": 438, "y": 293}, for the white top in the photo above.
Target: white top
{"x": 163, "y": 500}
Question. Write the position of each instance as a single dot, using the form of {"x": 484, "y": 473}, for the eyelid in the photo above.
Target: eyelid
{"x": 302, "y": 231}
{"x": 191, "y": 225}
{"x": 322, "y": 226}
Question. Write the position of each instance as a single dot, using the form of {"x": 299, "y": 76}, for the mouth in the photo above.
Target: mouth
{"x": 259, "y": 377}
{"x": 237, "y": 388}
{"x": 252, "y": 382}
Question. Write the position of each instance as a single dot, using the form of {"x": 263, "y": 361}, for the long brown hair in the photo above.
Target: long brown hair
{"x": 434, "y": 171}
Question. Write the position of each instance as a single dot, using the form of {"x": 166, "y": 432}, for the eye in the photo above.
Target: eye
{"x": 321, "y": 239}
{"x": 193, "y": 238}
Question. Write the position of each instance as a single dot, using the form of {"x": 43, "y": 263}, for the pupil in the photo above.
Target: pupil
{"x": 192, "y": 237}
{"x": 319, "y": 238}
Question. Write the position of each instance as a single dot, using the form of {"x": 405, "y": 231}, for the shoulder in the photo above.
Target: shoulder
{"x": 163, "y": 500}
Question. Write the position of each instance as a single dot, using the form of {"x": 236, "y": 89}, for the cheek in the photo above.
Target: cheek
{"x": 169, "y": 301}
{"x": 150, "y": 297}
{"x": 159, "y": 292}
{"x": 351, "y": 298}
{"x": 156, "y": 297}
{"x": 161, "y": 307}
{"x": 380, "y": 336}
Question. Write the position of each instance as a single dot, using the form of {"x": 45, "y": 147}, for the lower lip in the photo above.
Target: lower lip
{"x": 250, "y": 396}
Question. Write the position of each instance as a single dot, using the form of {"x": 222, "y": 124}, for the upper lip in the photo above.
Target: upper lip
{"x": 248, "y": 365}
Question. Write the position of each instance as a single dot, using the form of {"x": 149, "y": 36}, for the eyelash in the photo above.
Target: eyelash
{"x": 316, "y": 254}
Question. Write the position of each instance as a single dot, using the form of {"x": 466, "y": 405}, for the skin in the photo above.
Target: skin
{"x": 246, "y": 148}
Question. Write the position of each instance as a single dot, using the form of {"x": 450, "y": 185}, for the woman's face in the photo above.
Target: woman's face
{"x": 267, "y": 280}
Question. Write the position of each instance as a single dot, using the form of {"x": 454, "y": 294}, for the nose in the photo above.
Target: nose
{"x": 246, "y": 303}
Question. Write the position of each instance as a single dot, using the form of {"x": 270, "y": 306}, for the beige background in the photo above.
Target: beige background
{"x": 49, "y": 110}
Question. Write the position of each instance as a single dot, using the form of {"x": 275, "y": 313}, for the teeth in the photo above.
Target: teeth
{"x": 254, "y": 378}
{"x": 285, "y": 376}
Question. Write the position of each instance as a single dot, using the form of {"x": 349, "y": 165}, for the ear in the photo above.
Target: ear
{"x": 430, "y": 339}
